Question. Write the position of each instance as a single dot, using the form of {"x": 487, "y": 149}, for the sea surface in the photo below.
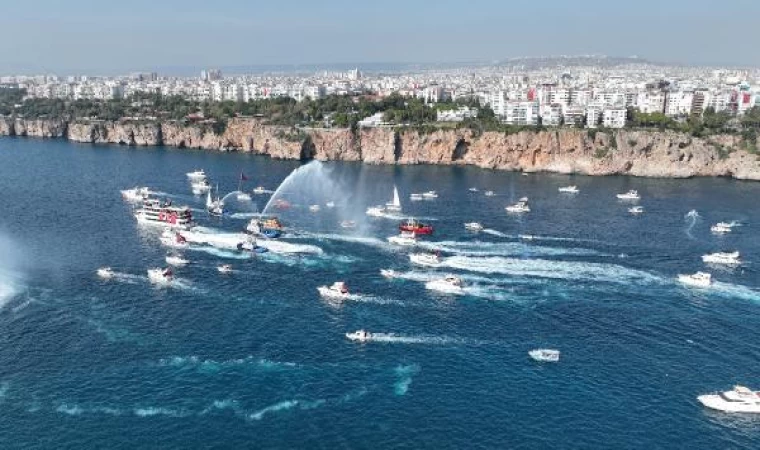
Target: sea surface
{"x": 256, "y": 359}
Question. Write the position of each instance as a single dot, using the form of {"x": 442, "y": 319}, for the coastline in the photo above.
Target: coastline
{"x": 662, "y": 154}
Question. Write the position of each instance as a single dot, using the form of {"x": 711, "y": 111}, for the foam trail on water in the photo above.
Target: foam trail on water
{"x": 420, "y": 339}
{"x": 494, "y": 232}
{"x": 288, "y": 248}
{"x": 369, "y": 241}
{"x": 736, "y": 290}
{"x": 501, "y": 249}
{"x": 284, "y": 406}
{"x": 221, "y": 253}
{"x": 150, "y": 411}
{"x": 361, "y": 298}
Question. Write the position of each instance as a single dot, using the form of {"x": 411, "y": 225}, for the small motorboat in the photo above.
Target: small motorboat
{"x": 160, "y": 276}
{"x": 569, "y": 190}
{"x": 692, "y": 214}
{"x": 429, "y": 195}
{"x": 473, "y": 226}
{"x": 175, "y": 260}
{"x": 630, "y": 195}
{"x": 243, "y": 197}
{"x": 389, "y": 273}
{"x": 314, "y": 208}
{"x": 416, "y": 197}
{"x": 738, "y": 400}
{"x": 338, "y": 290}
{"x": 699, "y": 279}
{"x": 395, "y": 204}
{"x": 259, "y": 190}
{"x": 330, "y": 204}
{"x": 415, "y": 226}
{"x": 636, "y": 210}
{"x": 359, "y": 336}
{"x": 520, "y": 207}
{"x": 173, "y": 239}
{"x": 105, "y": 272}
{"x": 473, "y": 189}
{"x": 201, "y": 186}
{"x": 526, "y": 237}
{"x": 197, "y": 175}
{"x": 720, "y": 228}
{"x": 250, "y": 245}
{"x": 731, "y": 258}
{"x": 406, "y": 238}
{"x": 224, "y": 268}
{"x": 450, "y": 284}
{"x": 544, "y": 355}
{"x": 432, "y": 259}
{"x": 489, "y": 193}
{"x": 348, "y": 224}
{"x": 376, "y": 211}
{"x": 136, "y": 194}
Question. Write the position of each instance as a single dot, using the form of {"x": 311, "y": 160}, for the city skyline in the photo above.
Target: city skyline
{"x": 83, "y": 36}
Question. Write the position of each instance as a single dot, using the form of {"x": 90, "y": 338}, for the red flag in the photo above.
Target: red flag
{"x": 243, "y": 177}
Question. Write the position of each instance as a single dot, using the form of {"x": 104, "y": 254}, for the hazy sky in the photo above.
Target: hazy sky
{"x": 106, "y": 36}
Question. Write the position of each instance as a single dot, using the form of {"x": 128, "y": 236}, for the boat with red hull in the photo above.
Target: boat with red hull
{"x": 416, "y": 227}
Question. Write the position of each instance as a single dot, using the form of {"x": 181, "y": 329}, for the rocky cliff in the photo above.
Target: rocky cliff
{"x": 637, "y": 153}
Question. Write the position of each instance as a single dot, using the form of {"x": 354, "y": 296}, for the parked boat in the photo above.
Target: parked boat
{"x": 630, "y": 195}
{"x": 569, "y": 190}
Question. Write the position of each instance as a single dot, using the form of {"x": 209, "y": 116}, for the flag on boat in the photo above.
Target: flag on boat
{"x": 243, "y": 177}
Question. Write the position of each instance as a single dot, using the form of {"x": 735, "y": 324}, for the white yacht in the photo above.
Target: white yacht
{"x": 569, "y": 190}
{"x": 429, "y": 195}
{"x": 520, "y": 207}
{"x": 473, "y": 226}
{"x": 544, "y": 355}
{"x": 489, "y": 193}
{"x": 197, "y": 175}
{"x": 636, "y": 210}
{"x": 450, "y": 284}
{"x": 406, "y": 238}
{"x": 389, "y": 273}
{"x": 156, "y": 212}
{"x": 699, "y": 279}
{"x": 720, "y": 228}
{"x": 731, "y": 258}
{"x": 426, "y": 259}
{"x": 416, "y": 197}
{"x": 224, "y": 268}
{"x": 338, "y": 290}
{"x": 175, "y": 260}
{"x": 738, "y": 400}
{"x": 105, "y": 272}
{"x": 136, "y": 194}
{"x": 376, "y": 211}
{"x": 395, "y": 204}
{"x": 630, "y": 195}
{"x": 160, "y": 276}
{"x": 359, "y": 335}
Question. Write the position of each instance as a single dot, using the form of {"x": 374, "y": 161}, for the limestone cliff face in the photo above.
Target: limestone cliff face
{"x": 638, "y": 153}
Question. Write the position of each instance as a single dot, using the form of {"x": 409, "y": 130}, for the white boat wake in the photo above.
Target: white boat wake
{"x": 476, "y": 248}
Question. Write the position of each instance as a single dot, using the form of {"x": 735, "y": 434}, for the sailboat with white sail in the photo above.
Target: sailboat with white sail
{"x": 214, "y": 207}
{"x": 395, "y": 205}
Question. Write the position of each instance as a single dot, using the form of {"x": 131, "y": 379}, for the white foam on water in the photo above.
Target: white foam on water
{"x": 494, "y": 232}
{"x": 280, "y": 406}
{"x": 127, "y": 278}
{"x": 369, "y": 241}
{"x": 221, "y": 253}
{"x": 362, "y": 298}
{"x": 214, "y": 365}
{"x": 420, "y": 339}
{"x": 151, "y": 411}
{"x": 735, "y": 290}
{"x": 221, "y": 405}
{"x": 542, "y": 268}
{"x": 404, "y": 374}
{"x": 477, "y": 248}
{"x": 71, "y": 410}
{"x": 244, "y": 215}
{"x": 277, "y": 246}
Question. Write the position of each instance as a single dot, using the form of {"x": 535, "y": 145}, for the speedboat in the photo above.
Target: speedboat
{"x": 348, "y": 224}
{"x": 636, "y": 209}
{"x": 330, "y": 204}
{"x": 173, "y": 239}
{"x": 174, "y": 260}
{"x": 692, "y": 214}
{"x": 105, "y": 272}
{"x": 699, "y": 279}
{"x": 314, "y": 208}
{"x": 197, "y": 175}
{"x": 243, "y": 197}
{"x": 376, "y": 211}
{"x": 136, "y": 194}
{"x": 630, "y": 195}
{"x": 250, "y": 245}
{"x": 259, "y": 190}
{"x": 722, "y": 258}
{"x": 224, "y": 268}
{"x": 415, "y": 226}
{"x": 426, "y": 259}
{"x": 395, "y": 204}
{"x": 473, "y": 189}
{"x": 473, "y": 226}
{"x": 544, "y": 355}
{"x": 429, "y": 195}
{"x": 520, "y": 207}
{"x": 406, "y": 238}
{"x": 738, "y": 400}
{"x": 450, "y": 284}
{"x": 359, "y": 335}
{"x": 720, "y": 228}
{"x": 569, "y": 190}
{"x": 389, "y": 273}
{"x": 416, "y": 197}
{"x": 489, "y": 194}
{"x": 160, "y": 276}
{"x": 338, "y": 290}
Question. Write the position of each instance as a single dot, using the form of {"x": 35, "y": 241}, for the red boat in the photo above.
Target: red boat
{"x": 416, "y": 227}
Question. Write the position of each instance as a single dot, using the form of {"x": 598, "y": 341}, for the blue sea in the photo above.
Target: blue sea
{"x": 256, "y": 359}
